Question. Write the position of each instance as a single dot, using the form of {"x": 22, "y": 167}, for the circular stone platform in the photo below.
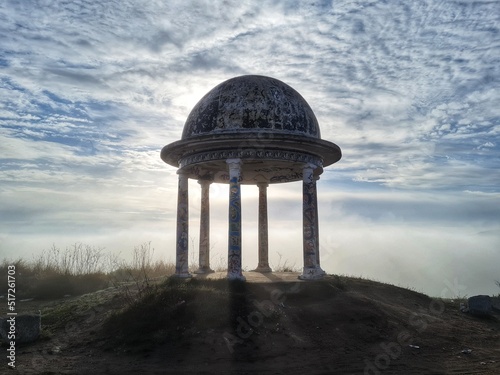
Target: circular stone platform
{"x": 256, "y": 277}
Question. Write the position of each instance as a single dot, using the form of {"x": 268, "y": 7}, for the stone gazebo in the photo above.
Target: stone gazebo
{"x": 249, "y": 130}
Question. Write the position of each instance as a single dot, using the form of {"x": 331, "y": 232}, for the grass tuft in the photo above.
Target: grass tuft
{"x": 81, "y": 269}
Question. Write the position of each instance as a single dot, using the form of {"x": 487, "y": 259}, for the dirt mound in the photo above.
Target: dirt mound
{"x": 338, "y": 325}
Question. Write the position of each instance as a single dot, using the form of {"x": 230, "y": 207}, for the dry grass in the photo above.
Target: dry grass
{"x": 285, "y": 266}
{"x": 81, "y": 269}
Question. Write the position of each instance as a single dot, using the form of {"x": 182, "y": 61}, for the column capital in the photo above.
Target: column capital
{"x": 262, "y": 185}
{"x": 311, "y": 165}
{"x": 234, "y": 162}
{"x": 308, "y": 172}
{"x": 205, "y": 181}
{"x": 183, "y": 179}
{"x": 234, "y": 167}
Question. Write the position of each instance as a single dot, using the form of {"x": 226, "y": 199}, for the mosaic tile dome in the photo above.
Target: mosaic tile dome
{"x": 252, "y": 103}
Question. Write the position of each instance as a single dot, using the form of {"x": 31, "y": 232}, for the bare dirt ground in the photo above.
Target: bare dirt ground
{"x": 273, "y": 325}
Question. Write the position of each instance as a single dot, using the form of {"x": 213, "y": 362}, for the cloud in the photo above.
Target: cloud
{"x": 418, "y": 208}
{"x": 91, "y": 91}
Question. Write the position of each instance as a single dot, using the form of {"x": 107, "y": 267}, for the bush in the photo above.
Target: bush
{"x": 81, "y": 269}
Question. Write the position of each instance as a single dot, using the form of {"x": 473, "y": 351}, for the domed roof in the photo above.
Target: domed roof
{"x": 260, "y": 121}
{"x": 252, "y": 103}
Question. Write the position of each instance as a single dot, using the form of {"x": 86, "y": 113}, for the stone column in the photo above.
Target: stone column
{"x": 311, "y": 270}
{"x": 181, "y": 259}
{"x": 234, "y": 238}
{"x": 316, "y": 178}
{"x": 204, "y": 249}
{"x": 263, "y": 232}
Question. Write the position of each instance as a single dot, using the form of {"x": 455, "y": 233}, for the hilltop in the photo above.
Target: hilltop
{"x": 339, "y": 325}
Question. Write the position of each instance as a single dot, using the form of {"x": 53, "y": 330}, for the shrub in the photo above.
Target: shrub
{"x": 81, "y": 269}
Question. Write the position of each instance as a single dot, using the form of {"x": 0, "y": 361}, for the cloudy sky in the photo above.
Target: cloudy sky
{"x": 90, "y": 91}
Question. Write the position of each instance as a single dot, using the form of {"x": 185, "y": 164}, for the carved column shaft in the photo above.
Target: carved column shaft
{"x": 234, "y": 271}
{"x": 263, "y": 265}
{"x": 204, "y": 248}
{"x": 316, "y": 178}
{"x": 182, "y": 259}
{"x": 311, "y": 270}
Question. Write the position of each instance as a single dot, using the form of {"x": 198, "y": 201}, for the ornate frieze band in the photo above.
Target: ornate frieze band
{"x": 292, "y": 156}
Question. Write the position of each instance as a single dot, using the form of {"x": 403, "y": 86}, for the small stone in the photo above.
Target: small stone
{"x": 479, "y": 305}
{"x": 27, "y": 328}
{"x": 463, "y": 308}
{"x": 54, "y": 350}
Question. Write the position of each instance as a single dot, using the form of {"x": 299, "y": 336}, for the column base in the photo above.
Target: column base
{"x": 235, "y": 276}
{"x": 263, "y": 269}
{"x": 314, "y": 273}
{"x": 203, "y": 270}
